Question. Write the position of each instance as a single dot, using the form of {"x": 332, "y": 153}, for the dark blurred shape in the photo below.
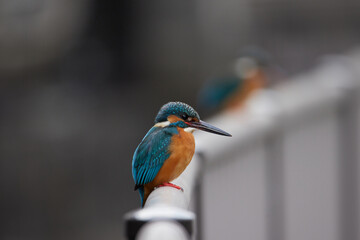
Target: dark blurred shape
{"x": 249, "y": 74}
{"x": 35, "y": 33}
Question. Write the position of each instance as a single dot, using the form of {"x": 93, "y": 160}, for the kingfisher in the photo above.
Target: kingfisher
{"x": 167, "y": 148}
{"x": 250, "y": 72}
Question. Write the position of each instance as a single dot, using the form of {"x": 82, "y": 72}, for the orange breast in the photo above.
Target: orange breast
{"x": 257, "y": 81}
{"x": 182, "y": 149}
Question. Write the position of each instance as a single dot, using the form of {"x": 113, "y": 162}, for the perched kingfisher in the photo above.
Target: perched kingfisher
{"x": 168, "y": 147}
{"x": 249, "y": 74}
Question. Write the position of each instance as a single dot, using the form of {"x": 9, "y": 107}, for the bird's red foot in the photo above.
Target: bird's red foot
{"x": 170, "y": 185}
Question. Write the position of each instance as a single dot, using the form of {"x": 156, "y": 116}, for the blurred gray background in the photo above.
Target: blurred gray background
{"x": 81, "y": 82}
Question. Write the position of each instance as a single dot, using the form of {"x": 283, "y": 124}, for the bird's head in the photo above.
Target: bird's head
{"x": 182, "y": 115}
{"x": 251, "y": 60}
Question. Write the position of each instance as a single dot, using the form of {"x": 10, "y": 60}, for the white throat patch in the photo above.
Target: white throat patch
{"x": 162, "y": 124}
{"x": 189, "y": 129}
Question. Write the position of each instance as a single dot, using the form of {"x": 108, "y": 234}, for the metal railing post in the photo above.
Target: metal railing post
{"x": 168, "y": 206}
{"x": 166, "y": 214}
{"x": 161, "y": 230}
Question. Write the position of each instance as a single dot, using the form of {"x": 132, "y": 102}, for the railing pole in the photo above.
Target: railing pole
{"x": 348, "y": 144}
{"x": 136, "y": 220}
{"x": 161, "y": 230}
{"x": 168, "y": 205}
{"x": 274, "y": 167}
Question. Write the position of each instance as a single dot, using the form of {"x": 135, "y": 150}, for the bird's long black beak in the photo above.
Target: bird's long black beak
{"x": 201, "y": 125}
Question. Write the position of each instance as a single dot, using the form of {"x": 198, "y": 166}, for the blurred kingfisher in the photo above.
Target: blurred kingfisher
{"x": 250, "y": 73}
{"x": 168, "y": 147}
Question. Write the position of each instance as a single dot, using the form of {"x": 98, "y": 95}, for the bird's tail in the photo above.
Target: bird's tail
{"x": 141, "y": 191}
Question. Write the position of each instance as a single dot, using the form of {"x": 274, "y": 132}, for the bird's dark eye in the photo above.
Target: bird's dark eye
{"x": 186, "y": 118}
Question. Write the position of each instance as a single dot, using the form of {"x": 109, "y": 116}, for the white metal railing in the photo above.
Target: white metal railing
{"x": 290, "y": 171}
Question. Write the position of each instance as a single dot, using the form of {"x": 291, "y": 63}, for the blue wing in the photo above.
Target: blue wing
{"x": 151, "y": 154}
{"x": 216, "y": 91}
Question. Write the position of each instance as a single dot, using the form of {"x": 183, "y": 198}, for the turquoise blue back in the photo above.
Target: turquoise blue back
{"x": 217, "y": 91}
{"x": 150, "y": 155}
